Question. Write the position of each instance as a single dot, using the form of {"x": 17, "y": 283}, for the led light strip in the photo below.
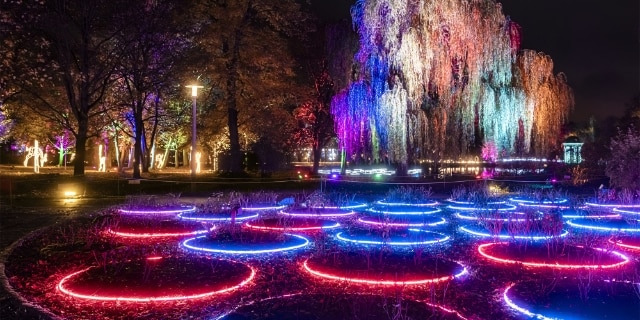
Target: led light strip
{"x": 430, "y": 204}
{"x": 403, "y": 224}
{"x": 205, "y": 218}
{"x": 514, "y": 306}
{"x": 582, "y": 226}
{"x": 625, "y": 211}
{"x": 624, "y": 245}
{"x": 509, "y": 207}
{"x": 538, "y": 202}
{"x": 280, "y": 249}
{"x": 318, "y": 214}
{"x": 334, "y": 225}
{"x": 506, "y": 236}
{"x": 185, "y": 210}
{"x": 396, "y": 243}
{"x": 613, "y": 205}
{"x": 346, "y": 207}
{"x": 264, "y": 208}
{"x": 158, "y": 234}
{"x": 466, "y": 217}
{"x": 415, "y": 213}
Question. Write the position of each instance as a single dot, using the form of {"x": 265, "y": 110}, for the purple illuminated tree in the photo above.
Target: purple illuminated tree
{"x": 63, "y": 143}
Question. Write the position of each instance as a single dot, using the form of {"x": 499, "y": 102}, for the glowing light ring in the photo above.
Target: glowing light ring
{"x": 514, "y": 306}
{"x": 473, "y": 203}
{"x": 160, "y": 211}
{"x": 473, "y": 217}
{"x": 332, "y": 226}
{"x": 421, "y": 212}
{"x": 408, "y": 204}
{"x": 66, "y": 291}
{"x": 267, "y": 208}
{"x": 507, "y": 207}
{"x": 345, "y": 207}
{"x": 624, "y": 258}
{"x": 545, "y": 206}
{"x": 506, "y": 236}
{"x": 382, "y": 282}
{"x": 613, "y": 205}
{"x": 547, "y": 202}
{"x": 205, "y": 218}
{"x": 396, "y": 243}
{"x": 625, "y": 211}
{"x": 624, "y": 245}
{"x": 591, "y": 227}
{"x": 403, "y": 224}
{"x": 250, "y": 252}
{"x": 318, "y": 214}
{"x": 587, "y": 216}
{"x": 159, "y": 234}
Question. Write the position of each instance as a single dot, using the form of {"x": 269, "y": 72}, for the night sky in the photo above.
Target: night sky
{"x": 594, "y": 42}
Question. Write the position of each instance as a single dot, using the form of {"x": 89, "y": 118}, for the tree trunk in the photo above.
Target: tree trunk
{"x": 81, "y": 140}
{"x": 317, "y": 153}
{"x": 137, "y": 150}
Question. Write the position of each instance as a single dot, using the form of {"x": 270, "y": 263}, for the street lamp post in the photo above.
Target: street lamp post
{"x": 192, "y": 162}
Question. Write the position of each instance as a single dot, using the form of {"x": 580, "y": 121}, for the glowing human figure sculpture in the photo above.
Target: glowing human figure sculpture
{"x": 159, "y": 160}
{"x": 39, "y": 157}
{"x": 102, "y": 167}
{"x": 198, "y": 155}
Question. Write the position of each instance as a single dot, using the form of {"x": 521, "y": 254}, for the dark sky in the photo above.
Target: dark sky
{"x": 594, "y": 42}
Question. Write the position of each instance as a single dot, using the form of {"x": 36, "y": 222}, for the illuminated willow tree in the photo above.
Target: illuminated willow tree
{"x": 434, "y": 77}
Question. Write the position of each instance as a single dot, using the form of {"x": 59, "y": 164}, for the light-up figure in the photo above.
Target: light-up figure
{"x": 159, "y": 161}
{"x": 39, "y": 157}
{"x": 103, "y": 160}
{"x": 198, "y": 155}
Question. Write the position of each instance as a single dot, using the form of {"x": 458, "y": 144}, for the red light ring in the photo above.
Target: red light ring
{"x": 624, "y": 258}
{"x": 158, "y": 234}
{"x": 280, "y": 228}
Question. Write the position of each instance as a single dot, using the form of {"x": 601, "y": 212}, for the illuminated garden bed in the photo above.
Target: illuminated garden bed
{"x": 547, "y": 203}
{"x": 246, "y": 242}
{"x": 571, "y": 298}
{"x": 492, "y": 205}
{"x": 338, "y": 307}
{"x": 224, "y": 216}
{"x": 317, "y": 212}
{"x": 300, "y": 224}
{"x": 409, "y": 237}
{"x": 147, "y": 227}
{"x": 157, "y": 210}
{"x": 582, "y": 213}
{"x": 516, "y": 231}
{"x": 404, "y": 210}
{"x": 631, "y": 242}
{"x": 382, "y": 268}
{"x": 157, "y": 279}
{"x": 402, "y": 221}
{"x": 606, "y": 225}
{"x": 552, "y": 255}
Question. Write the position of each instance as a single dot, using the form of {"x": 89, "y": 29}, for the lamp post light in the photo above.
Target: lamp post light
{"x": 192, "y": 162}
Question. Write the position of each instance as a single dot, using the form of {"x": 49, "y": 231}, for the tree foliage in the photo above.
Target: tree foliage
{"x": 623, "y": 168}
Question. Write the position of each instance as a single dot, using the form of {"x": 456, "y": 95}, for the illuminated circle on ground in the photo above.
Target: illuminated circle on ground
{"x": 273, "y": 224}
{"x": 198, "y": 244}
{"x": 346, "y": 206}
{"x": 426, "y": 221}
{"x": 629, "y": 242}
{"x": 416, "y": 237}
{"x": 168, "y": 210}
{"x": 534, "y": 201}
{"x": 404, "y": 210}
{"x": 482, "y": 249}
{"x": 219, "y": 217}
{"x": 612, "y": 205}
{"x": 428, "y": 203}
{"x": 177, "y": 229}
{"x": 581, "y": 213}
{"x": 506, "y": 216}
{"x": 496, "y": 206}
{"x": 627, "y": 211}
{"x": 384, "y": 282}
{"x": 66, "y": 286}
{"x": 473, "y": 203}
{"x": 263, "y": 207}
{"x": 482, "y": 232}
{"x": 317, "y": 213}
{"x": 610, "y": 225}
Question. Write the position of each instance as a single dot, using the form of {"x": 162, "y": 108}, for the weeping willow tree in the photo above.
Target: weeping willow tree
{"x": 434, "y": 77}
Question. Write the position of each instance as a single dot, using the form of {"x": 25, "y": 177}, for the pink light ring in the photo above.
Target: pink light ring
{"x": 514, "y": 306}
{"x": 421, "y": 212}
{"x": 396, "y": 243}
{"x": 445, "y": 309}
{"x": 150, "y": 212}
{"x": 612, "y": 205}
{"x": 345, "y": 207}
{"x": 408, "y": 204}
{"x": 66, "y": 291}
{"x": 506, "y": 236}
{"x": 318, "y": 214}
{"x": 624, "y": 258}
{"x": 159, "y": 235}
{"x": 382, "y": 282}
{"x": 204, "y": 218}
{"x": 267, "y": 208}
{"x": 251, "y": 252}
{"x": 403, "y": 224}
{"x": 582, "y": 226}
{"x": 624, "y": 245}
{"x": 508, "y": 207}
{"x": 626, "y": 211}
{"x": 332, "y": 226}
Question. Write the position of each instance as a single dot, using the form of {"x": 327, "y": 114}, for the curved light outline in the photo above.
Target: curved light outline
{"x": 328, "y": 215}
{"x": 506, "y": 236}
{"x": 158, "y": 235}
{"x": 278, "y": 207}
{"x": 241, "y": 218}
{"x": 620, "y": 244}
{"x": 399, "y": 213}
{"x": 408, "y": 204}
{"x": 150, "y": 212}
{"x": 473, "y": 203}
{"x": 315, "y": 228}
{"x": 547, "y": 202}
{"x": 473, "y": 218}
{"x": 624, "y": 258}
{"x": 581, "y": 226}
{"x": 64, "y": 290}
{"x": 626, "y": 211}
{"x": 545, "y": 206}
{"x": 606, "y": 205}
{"x": 603, "y": 216}
{"x": 383, "y": 282}
{"x": 514, "y": 306}
{"x": 347, "y": 207}
{"x": 396, "y": 243}
{"x": 403, "y": 224}
{"x": 510, "y": 207}
{"x": 281, "y": 249}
